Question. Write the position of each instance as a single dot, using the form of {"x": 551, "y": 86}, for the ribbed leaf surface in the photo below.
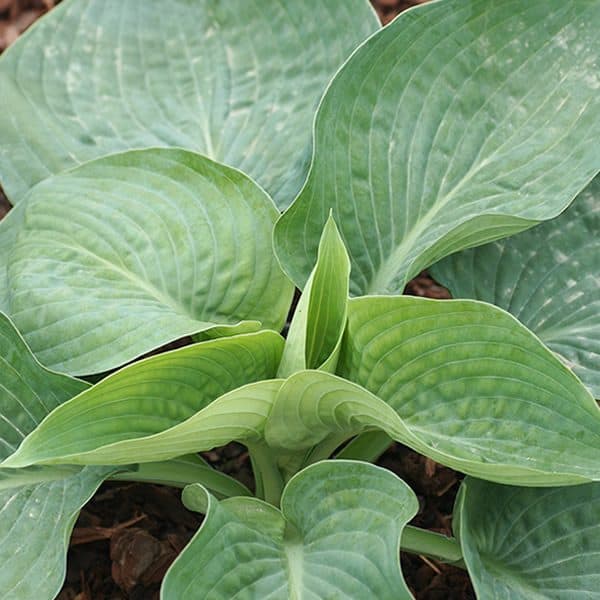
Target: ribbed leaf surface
{"x": 462, "y": 122}
{"x": 530, "y": 543}
{"x": 28, "y": 391}
{"x": 337, "y": 536}
{"x": 475, "y": 385}
{"x": 9, "y": 226}
{"x": 237, "y": 81}
{"x": 132, "y": 251}
{"x": 548, "y": 277}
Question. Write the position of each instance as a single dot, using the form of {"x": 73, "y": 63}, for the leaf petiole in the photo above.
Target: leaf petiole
{"x": 183, "y": 471}
{"x": 269, "y": 480}
{"x": 433, "y": 545}
{"x": 368, "y": 446}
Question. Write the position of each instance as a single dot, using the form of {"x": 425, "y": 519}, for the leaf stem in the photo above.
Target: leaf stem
{"x": 183, "y": 471}
{"x": 432, "y": 544}
{"x": 325, "y": 449}
{"x": 269, "y": 480}
{"x": 368, "y": 446}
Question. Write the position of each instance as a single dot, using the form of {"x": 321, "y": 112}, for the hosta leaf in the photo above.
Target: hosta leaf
{"x": 479, "y": 391}
{"x": 131, "y": 251}
{"x": 236, "y": 80}
{"x": 9, "y": 226}
{"x": 316, "y": 331}
{"x": 530, "y": 543}
{"x": 548, "y": 277}
{"x": 36, "y": 519}
{"x": 149, "y": 397}
{"x": 337, "y": 536}
{"x": 239, "y": 415}
{"x": 39, "y": 505}
{"x": 461, "y": 122}
{"x": 312, "y": 406}
{"x": 28, "y": 391}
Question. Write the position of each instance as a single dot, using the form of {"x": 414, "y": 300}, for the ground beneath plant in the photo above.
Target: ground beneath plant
{"x": 128, "y": 534}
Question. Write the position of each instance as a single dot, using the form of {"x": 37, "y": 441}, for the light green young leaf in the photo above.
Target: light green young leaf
{"x": 462, "y": 122}
{"x": 237, "y": 81}
{"x": 132, "y": 251}
{"x": 476, "y": 389}
{"x": 537, "y": 544}
{"x": 548, "y": 277}
{"x": 316, "y": 331}
{"x": 39, "y": 505}
{"x": 149, "y": 397}
{"x": 337, "y": 536}
{"x": 238, "y": 415}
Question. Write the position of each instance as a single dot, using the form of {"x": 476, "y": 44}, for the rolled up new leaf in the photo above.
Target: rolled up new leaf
{"x": 237, "y": 81}
{"x": 461, "y": 122}
{"x": 337, "y": 534}
{"x": 150, "y": 397}
{"x": 313, "y": 341}
{"x": 530, "y": 543}
{"x": 548, "y": 277}
{"x": 129, "y": 252}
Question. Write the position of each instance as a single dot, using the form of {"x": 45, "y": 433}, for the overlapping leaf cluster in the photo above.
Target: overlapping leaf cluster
{"x": 148, "y": 151}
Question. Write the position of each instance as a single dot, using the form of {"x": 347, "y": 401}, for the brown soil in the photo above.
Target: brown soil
{"x": 128, "y": 534}
{"x": 17, "y": 15}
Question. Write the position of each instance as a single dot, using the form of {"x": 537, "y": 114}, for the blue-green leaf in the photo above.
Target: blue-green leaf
{"x": 548, "y": 277}
{"x": 530, "y": 543}
{"x": 129, "y": 252}
{"x": 237, "y": 81}
{"x": 461, "y": 122}
{"x": 337, "y": 536}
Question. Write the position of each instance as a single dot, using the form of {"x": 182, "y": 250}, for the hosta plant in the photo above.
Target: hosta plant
{"x": 148, "y": 148}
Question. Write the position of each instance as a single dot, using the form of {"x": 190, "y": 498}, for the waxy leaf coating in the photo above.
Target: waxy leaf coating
{"x": 237, "y": 81}
{"x": 461, "y": 122}
{"x": 530, "y": 543}
{"x": 548, "y": 277}
{"x": 132, "y": 251}
{"x": 337, "y": 535}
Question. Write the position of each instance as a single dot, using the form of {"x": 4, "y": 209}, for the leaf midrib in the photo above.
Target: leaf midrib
{"x": 293, "y": 551}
